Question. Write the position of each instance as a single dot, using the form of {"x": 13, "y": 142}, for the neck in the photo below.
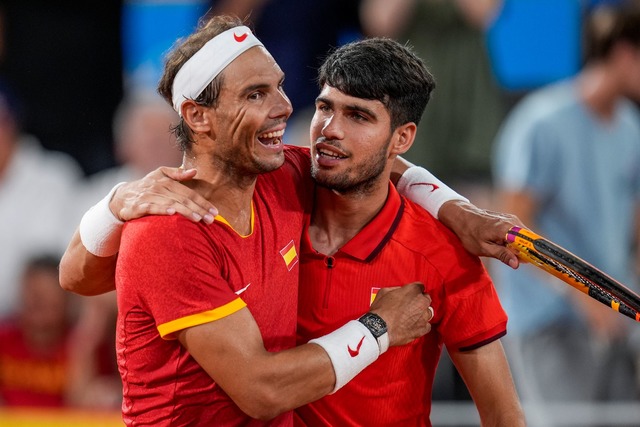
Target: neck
{"x": 599, "y": 91}
{"x": 228, "y": 190}
{"x": 338, "y": 217}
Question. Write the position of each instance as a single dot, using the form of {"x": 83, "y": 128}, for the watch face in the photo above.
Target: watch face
{"x": 376, "y": 325}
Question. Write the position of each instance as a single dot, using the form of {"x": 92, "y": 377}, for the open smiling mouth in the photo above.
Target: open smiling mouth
{"x": 330, "y": 154}
{"x": 271, "y": 138}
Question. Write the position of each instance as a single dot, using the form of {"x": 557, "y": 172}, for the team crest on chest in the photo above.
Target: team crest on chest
{"x": 289, "y": 255}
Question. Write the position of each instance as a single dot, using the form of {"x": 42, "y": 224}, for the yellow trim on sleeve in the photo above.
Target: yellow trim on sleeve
{"x": 166, "y": 330}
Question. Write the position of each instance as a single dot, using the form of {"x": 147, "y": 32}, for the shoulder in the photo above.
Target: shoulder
{"x": 157, "y": 231}
{"x": 630, "y": 114}
{"x": 544, "y": 105}
{"x": 427, "y": 237}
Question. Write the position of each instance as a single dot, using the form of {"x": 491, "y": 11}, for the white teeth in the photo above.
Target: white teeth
{"x": 329, "y": 154}
{"x": 268, "y": 135}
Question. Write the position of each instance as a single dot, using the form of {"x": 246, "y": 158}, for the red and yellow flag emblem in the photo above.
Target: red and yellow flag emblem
{"x": 374, "y": 293}
{"x": 290, "y": 255}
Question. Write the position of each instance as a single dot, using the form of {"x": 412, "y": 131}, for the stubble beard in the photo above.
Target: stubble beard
{"x": 355, "y": 181}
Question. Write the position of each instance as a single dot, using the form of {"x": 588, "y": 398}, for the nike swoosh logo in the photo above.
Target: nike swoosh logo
{"x": 354, "y": 353}
{"x": 238, "y": 292}
{"x": 433, "y": 186}
{"x": 240, "y": 38}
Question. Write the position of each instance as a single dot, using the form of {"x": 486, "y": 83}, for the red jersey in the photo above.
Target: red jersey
{"x": 173, "y": 274}
{"x": 402, "y": 244}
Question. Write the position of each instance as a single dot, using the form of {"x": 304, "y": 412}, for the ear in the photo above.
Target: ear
{"x": 403, "y": 137}
{"x": 196, "y": 117}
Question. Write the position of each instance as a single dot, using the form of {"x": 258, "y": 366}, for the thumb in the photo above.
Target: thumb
{"x": 178, "y": 174}
{"x": 506, "y": 256}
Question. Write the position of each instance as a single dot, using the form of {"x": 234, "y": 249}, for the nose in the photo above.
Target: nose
{"x": 282, "y": 107}
{"x": 331, "y": 128}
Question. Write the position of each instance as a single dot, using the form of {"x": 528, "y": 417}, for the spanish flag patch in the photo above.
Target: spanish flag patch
{"x": 290, "y": 255}
{"x": 374, "y": 293}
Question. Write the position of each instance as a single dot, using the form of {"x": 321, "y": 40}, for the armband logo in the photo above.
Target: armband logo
{"x": 434, "y": 187}
{"x": 240, "y": 38}
{"x": 354, "y": 353}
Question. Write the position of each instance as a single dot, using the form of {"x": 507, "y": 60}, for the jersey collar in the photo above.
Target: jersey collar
{"x": 375, "y": 235}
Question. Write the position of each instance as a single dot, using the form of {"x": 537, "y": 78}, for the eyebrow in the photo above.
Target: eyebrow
{"x": 262, "y": 85}
{"x": 253, "y": 87}
{"x": 350, "y": 107}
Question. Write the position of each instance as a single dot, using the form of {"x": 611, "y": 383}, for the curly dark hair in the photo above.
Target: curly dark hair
{"x": 382, "y": 69}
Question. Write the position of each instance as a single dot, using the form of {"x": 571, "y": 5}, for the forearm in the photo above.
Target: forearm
{"x": 265, "y": 384}
{"x": 88, "y": 265}
{"x": 287, "y": 380}
{"x": 83, "y": 273}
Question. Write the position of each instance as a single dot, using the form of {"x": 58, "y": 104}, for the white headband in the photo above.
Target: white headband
{"x": 209, "y": 61}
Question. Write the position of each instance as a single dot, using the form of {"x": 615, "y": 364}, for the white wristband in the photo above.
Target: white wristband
{"x": 383, "y": 342}
{"x": 351, "y": 348}
{"x": 99, "y": 229}
{"x": 422, "y": 187}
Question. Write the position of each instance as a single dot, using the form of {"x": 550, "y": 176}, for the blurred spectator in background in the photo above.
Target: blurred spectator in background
{"x": 143, "y": 142}
{"x": 454, "y": 141}
{"x": 36, "y": 190}
{"x": 34, "y": 339}
{"x": 93, "y": 380}
{"x": 568, "y": 164}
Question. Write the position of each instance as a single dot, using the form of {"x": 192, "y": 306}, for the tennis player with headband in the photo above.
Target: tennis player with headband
{"x": 207, "y": 312}
{"x": 260, "y": 145}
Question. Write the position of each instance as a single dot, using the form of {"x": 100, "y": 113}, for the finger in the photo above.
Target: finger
{"x": 508, "y": 258}
{"x": 187, "y": 202}
{"x": 427, "y": 297}
{"x": 191, "y": 210}
{"x": 420, "y": 286}
{"x": 384, "y": 291}
{"x": 164, "y": 205}
{"x": 503, "y": 254}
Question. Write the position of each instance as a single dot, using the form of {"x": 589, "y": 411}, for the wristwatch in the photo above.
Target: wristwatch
{"x": 378, "y": 328}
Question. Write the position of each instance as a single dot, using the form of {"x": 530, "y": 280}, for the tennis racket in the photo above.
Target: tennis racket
{"x": 573, "y": 270}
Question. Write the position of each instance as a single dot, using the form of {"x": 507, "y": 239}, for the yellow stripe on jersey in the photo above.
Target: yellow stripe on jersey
{"x": 167, "y": 329}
